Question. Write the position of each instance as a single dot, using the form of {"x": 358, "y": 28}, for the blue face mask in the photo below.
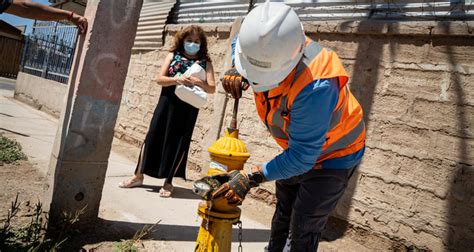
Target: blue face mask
{"x": 191, "y": 48}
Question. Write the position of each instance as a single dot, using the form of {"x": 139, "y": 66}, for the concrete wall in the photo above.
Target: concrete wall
{"x": 414, "y": 80}
{"x": 46, "y": 95}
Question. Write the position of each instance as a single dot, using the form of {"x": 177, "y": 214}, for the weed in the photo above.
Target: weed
{"x": 35, "y": 236}
{"x": 131, "y": 245}
{"x": 10, "y": 151}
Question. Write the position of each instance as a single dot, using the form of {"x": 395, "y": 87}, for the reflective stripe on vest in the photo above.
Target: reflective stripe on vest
{"x": 337, "y": 114}
{"x": 278, "y": 123}
{"x": 277, "y": 119}
{"x": 311, "y": 50}
{"x": 346, "y": 140}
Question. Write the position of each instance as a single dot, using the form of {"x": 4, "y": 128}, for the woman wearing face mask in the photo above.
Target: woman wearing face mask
{"x": 164, "y": 152}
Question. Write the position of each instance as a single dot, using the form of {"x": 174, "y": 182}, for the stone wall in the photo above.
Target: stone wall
{"x": 414, "y": 81}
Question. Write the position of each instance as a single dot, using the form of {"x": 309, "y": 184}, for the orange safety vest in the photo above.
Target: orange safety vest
{"x": 346, "y": 134}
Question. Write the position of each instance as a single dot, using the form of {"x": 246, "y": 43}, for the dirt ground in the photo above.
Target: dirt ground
{"x": 23, "y": 179}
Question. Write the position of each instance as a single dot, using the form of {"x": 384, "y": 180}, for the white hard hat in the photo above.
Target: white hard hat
{"x": 270, "y": 45}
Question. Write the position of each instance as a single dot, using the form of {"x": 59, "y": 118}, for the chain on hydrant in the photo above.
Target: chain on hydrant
{"x": 239, "y": 223}
{"x": 215, "y": 233}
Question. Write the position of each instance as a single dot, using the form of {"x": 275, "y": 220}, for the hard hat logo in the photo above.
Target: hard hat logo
{"x": 258, "y": 63}
{"x": 269, "y": 45}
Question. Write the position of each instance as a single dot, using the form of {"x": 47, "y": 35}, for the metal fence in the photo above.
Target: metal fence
{"x": 10, "y": 53}
{"x": 49, "y": 50}
{"x": 320, "y": 10}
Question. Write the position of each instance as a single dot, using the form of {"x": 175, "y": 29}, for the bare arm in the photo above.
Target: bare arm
{"x": 209, "y": 85}
{"x": 32, "y": 10}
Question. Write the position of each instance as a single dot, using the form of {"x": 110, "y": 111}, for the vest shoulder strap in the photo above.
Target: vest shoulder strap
{"x": 317, "y": 63}
{"x": 311, "y": 51}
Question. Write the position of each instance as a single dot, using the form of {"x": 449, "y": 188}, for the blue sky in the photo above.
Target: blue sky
{"x": 17, "y": 21}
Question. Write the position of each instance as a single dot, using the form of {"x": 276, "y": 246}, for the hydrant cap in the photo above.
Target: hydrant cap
{"x": 229, "y": 146}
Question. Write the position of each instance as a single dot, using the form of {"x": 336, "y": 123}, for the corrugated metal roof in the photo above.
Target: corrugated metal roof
{"x": 151, "y": 24}
{"x": 317, "y": 10}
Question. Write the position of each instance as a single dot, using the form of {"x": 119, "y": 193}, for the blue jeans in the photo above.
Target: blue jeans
{"x": 304, "y": 204}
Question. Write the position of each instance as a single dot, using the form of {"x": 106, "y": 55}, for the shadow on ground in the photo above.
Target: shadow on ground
{"x": 111, "y": 231}
{"x": 6, "y": 86}
{"x": 178, "y": 192}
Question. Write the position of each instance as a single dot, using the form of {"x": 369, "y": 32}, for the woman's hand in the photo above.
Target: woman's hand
{"x": 80, "y": 21}
{"x": 197, "y": 81}
{"x": 186, "y": 81}
{"x": 202, "y": 84}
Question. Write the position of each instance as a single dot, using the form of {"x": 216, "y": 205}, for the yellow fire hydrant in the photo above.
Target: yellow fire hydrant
{"x": 215, "y": 234}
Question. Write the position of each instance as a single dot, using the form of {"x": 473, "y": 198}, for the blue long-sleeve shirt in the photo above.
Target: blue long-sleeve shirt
{"x": 309, "y": 123}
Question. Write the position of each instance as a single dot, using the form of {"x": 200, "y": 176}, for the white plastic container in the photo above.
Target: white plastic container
{"x": 195, "y": 95}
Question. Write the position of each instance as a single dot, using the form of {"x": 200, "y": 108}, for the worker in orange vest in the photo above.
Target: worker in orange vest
{"x": 302, "y": 97}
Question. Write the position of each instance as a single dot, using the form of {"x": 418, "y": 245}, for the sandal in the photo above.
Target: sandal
{"x": 131, "y": 183}
{"x": 166, "y": 190}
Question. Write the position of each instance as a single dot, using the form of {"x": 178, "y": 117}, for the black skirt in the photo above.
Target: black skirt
{"x": 164, "y": 153}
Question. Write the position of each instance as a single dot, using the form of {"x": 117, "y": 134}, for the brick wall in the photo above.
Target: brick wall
{"x": 414, "y": 81}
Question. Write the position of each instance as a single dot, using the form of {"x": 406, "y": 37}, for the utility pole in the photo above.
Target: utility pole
{"x": 83, "y": 141}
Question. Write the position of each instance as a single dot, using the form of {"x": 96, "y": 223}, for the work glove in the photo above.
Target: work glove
{"x": 235, "y": 189}
{"x": 234, "y": 83}
{"x": 206, "y": 186}
{"x": 211, "y": 187}
{"x": 234, "y": 186}
{"x": 238, "y": 185}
